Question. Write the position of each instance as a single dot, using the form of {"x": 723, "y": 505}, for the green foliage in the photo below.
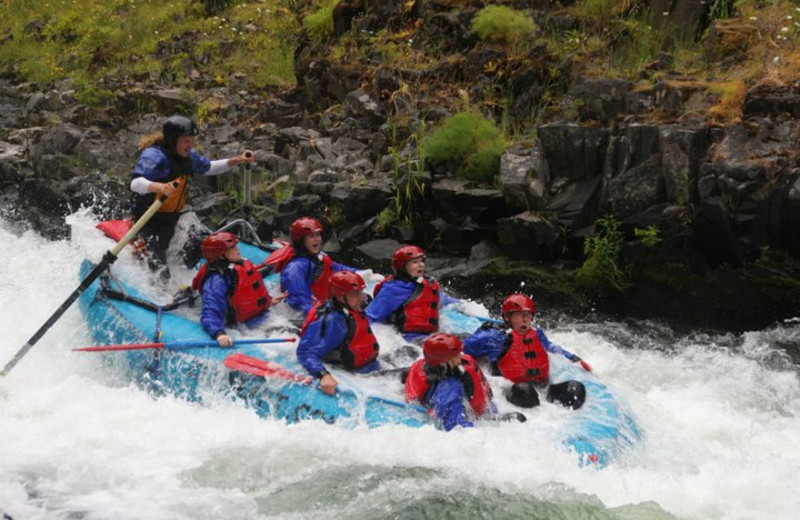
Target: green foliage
{"x": 502, "y": 24}
{"x": 283, "y": 191}
{"x": 470, "y": 140}
{"x": 601, "y": 270}
{"x": 649, "y": 237}
{"x": 386, "y": 218}
{"x": 410, "y": 186}
{"x": 91, "y": 40}
{"x": 319, "y": 24}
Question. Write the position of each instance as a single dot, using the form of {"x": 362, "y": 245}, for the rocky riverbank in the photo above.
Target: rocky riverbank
{"x": 692, "y": 221}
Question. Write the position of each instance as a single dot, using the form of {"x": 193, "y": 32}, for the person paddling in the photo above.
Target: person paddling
{"x": 521, "y": 356}
{"x": 231, "y": 288}
{"x": 445, "y": 379}
{"x": 337, "y": 331}
{"x": 165, "y": 166}
{"x": 305, "y": 270}
{"x": 409, "y": 299}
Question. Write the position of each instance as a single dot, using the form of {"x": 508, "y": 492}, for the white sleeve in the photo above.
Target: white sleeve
{"x": 217, "y": 167}
{"x": 139, "y": 185}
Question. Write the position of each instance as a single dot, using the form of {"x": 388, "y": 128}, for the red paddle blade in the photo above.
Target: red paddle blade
{"x": 260, "y": 367}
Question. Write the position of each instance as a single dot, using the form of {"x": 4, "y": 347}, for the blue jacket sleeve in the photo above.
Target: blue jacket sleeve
{"x": 200, "y": 163}
{"x": 318, "y": 341}
{"x": 215, "y": 304}
{"x": 152, "y": 164}
{"x": 447, "y": 401}
{"x": 295, "y": 279}
{"x": 553, "y": 348}
{"x": 336, "y": 267}
{"x": 485, "y": 342}
{"x": 448, "y": 300}
{"x": 389, "y": 299}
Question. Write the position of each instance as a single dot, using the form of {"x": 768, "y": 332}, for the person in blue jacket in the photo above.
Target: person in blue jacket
{"x": 521, "y": 356}
{"x": 337, "y": 331}
{"x": 231, "y": 288}
{"x": 165, "y": 166}
{"x": 449, "y": 383}
{"x": 305, "y": 270}
{"x": 409, "y": 299}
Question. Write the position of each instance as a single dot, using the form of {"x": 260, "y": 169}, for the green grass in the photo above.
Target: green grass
{"x": 45, "y": 41}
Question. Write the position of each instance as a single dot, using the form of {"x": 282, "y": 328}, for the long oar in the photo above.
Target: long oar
{"x": 108, "y": 259}
{"x": 180, "y": 345}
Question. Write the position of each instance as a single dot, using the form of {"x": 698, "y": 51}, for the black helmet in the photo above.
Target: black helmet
{"x": 523, "y": 395}
{"x": 178, "y": 126}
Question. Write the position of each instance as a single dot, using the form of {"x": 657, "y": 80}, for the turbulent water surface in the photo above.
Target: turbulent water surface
{"x": 721, "y": 416}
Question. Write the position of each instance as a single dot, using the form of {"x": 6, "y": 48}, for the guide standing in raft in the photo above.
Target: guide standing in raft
{"x": 165, "y": 166}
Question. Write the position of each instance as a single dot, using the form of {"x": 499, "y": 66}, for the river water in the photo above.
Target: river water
{"x": 721, "y": 415}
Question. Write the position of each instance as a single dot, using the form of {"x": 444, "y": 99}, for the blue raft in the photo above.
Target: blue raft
{"x": 600, "y": 432}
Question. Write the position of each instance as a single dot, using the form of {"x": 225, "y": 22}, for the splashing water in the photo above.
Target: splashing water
{"x": 720, "y": 413}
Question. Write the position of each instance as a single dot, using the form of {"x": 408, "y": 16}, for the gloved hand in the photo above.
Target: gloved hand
{"x": 365, "y": 300}
{"x": 586, "y": 366}
{"x": 493, "y": 324}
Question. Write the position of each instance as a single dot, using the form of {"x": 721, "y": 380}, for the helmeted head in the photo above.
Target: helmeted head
{"x": 176, "y": 127}
{"x": 516, "y": 303}
{"x": 216, "y": 244}
{"x": 440, "y": 348}
{"x": 347, "y": 287}
{"x": 303, "y": 227}
{"x": 344, "y": 282}
{"x": 404, "y": 255}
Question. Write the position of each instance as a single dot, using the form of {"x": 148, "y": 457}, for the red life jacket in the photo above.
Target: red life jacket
{"x": 280, "y": 257}
{"x": 359, "y": 346}
{"x": 248, "y": 296}
{"x": 420, "y": 312}
{"x": 524, "y": 359}
{"x": 319, "y": 279}
{"x": 476, "y": 387}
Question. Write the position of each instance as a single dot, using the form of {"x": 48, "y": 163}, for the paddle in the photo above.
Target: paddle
{"x": 108, "y": 259}
{"x": 180, "y": 345}
{"x": 260, "y": 367}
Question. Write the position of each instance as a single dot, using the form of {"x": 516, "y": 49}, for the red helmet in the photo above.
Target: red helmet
{"x": 440, "y": 348}
{"x": 344, "y": 282}
{"x": 517, "y": 302}
{"x": 215, "y": 245}
{"x": 404, "y": 255}
{"x": 304, "y": 226}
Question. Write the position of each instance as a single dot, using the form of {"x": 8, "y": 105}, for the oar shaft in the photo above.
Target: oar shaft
{"x": 91, "y": 277}
{"x": 108, "y": 259}
{"x": 180, "y": 345}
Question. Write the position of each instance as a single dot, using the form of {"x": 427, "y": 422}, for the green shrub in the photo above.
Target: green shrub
{"x": 470, "y": 140}
{"x": 601, "y": 270}
{"x": 502, "y": 24}
{"x": 649, "y": 237}
{"x": 319, "y": 24}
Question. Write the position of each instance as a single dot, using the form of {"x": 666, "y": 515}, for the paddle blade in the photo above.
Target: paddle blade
{"x": 260, "y": 367}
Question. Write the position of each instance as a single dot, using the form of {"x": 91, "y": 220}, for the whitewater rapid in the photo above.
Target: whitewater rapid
{"x": 721, "y": 415}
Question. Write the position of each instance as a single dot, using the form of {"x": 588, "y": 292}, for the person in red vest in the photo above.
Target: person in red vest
{"x": 231, "y": 288}
{"x": 521, "y": 356}
{"x": 409, "y": 299}
{"x": 445, "y": 379}
{"x": 337, "y": 331}
{"x": 305, "y": 270}
{"x": 165, "y": 166}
